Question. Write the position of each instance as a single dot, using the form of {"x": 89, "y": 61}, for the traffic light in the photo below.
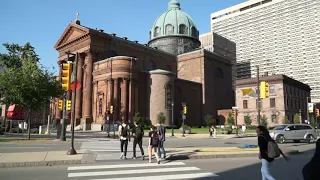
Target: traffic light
{"x": 66, "y": 76}
{"x": 317, "y": 112}
{"x": 60, "y": 104}
{"x": 264, "y": 89}
{"x": 184, "y": 109}
{"x": 68, "y": 108}
{"x": 111, "y": 109}
{"x": 234, "y": 112}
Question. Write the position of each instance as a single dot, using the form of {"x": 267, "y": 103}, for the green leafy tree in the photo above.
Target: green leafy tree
{"x": 313, "y": 122}
{"x": 161, "y": 118}
{"x": 247, "y": 120}
{"x": 285, "y": 120}
{"x": 27, "y": 84}
{"x": 264, "y": 121}
{"x": 209, "y": 120}
{"x": 140, "y": 120}
{"x": 230, "y": 119}
{"x": 13, "y": 59}
{"x": 296, "y": 119}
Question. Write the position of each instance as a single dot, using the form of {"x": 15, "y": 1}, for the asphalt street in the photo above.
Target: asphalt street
{"x": 169, "y": 143}
{"x": 216, "y": 169}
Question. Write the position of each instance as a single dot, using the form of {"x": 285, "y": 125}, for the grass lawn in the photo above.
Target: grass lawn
{"x": 206, "y": 131}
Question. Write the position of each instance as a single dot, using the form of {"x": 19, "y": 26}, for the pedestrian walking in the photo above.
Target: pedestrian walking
{"x": 243, "y": 128}
{"x": 214, "y": 132}
{"x": 124, "y": 134}
{"x": 211, "y": 130}
{"x": 162, "y": 137}
{"x": 311, "y": 170}
{"x": 153, "y": 144}
{"x": 137, "y": 139}
{"x": 269, "y": 150}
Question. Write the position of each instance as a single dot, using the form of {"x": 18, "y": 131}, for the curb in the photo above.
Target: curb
{"x": 215, "y": 156}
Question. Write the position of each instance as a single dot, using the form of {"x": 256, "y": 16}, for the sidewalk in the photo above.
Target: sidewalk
{"x": 50, "y": 158}
{"x": 218, "y": 136}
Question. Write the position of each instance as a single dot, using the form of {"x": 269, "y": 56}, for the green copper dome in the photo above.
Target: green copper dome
{"x": 174, "y": 22}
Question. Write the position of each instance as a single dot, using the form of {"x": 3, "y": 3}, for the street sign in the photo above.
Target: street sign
{"x": 183, "y": 117}
{"x": 78, "y": 85}
{"x": 235, "y": 107}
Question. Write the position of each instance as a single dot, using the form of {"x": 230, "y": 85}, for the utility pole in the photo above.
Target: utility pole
{"x": 72, "y": 151}
{"x": 172, "y": 123}
{"x": 258, "y": 92}
{"x": 184, "y": 113}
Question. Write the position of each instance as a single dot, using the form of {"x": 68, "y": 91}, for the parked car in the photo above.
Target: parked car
{"x": 294, "y": 132}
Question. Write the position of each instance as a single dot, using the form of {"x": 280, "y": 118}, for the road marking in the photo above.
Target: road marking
{"x": 23, "y": 147}
{"x": 168, "y": 177}
{"x": 124, "y": 166}
{"x": 126, "y": 172}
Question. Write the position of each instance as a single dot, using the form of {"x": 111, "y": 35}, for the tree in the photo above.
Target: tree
{"x": 264, "y": 121}
{"x": 140, "y": 120}
{"x": 247, "y": 120}
{"x": 313, "y": 122}
{"x": 27, "y": 84}
{"x": 230, "y": 119}
{"x": 13, "y": 59}
{"x": 285, "y": 120}
{"x": 209, "y": 120}
{"x": 296, "y": 119}
{"x": 161, "y": 118}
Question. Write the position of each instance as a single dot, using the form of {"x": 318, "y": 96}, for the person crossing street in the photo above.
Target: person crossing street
{"x": 124, "y": 135}
{"x": 138, "y": 136}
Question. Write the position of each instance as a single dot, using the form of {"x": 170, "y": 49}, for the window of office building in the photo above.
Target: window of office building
{"x": 245, "y": 104}
{"x": 272, "y": 102}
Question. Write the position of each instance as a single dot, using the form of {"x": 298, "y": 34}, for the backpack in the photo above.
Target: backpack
{"x": 124, "y": 131}
{"x": 139, "y": 132}
{"x": 155, "y": 139}
{"x": 273, "y": 150}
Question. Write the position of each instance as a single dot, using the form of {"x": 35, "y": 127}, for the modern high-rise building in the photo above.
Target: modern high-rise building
{"x": 279, "y": 36}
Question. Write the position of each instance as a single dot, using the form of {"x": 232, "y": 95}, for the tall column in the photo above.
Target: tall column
{"x": 87, "y": 96}
{"x": 110, "y": 92}
{"x": 95, "y": 102}
{"x": 78, "y": 109}
{"x": 136, "y": 97}
{"x": 116, "y": 107}
{"x": 124, "y": 98}
{"x": 131, "y": 99}
{"x": 106, "y": 97}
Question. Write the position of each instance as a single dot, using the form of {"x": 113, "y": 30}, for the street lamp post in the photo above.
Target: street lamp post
{"x": 172, "y": 122}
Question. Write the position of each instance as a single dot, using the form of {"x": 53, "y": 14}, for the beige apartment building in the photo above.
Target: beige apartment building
{"x": 287, "y": 97}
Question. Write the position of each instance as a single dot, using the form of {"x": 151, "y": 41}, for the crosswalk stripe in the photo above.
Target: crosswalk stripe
{"x": 124, "y": 166}
{"x": 126, "y": 172}
{"x": 168, "y": 177}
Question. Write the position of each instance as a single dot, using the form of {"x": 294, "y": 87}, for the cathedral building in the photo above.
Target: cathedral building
{"x": 147, "y": 78}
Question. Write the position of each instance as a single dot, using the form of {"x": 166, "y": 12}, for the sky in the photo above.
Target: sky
{"x": 42, "y": 22}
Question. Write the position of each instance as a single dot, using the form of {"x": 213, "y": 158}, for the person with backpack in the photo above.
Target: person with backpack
{"x": 153, "y": 143}
{"x": 311, "y": 169}
{"x": 124, "y": 135}
{"x": 138, "y": 135}
{"x": 162, "y": 137}
{"x": 269, "y": 150}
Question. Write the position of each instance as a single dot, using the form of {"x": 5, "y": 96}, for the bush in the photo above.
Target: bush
{"x": 247, "y": 120}
{"x": 313, "y": 122}
{"x": 209, "y": 120}
{"x": 230, "y": 119}
{"x": 264, "y": 121}
{"x": 296, "y": 119}
{"x": 285, "y": 120}
{"x": 161, "y": 118}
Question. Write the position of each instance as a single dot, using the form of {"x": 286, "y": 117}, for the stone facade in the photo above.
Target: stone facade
{"x": 287, "y": 98}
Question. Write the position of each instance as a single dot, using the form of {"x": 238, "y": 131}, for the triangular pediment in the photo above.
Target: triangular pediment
{"x": 71, "y": 33}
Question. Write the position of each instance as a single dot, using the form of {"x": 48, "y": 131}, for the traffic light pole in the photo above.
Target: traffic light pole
{"x": 172, "y": 123}
{"x": 108, "y": 119}
{"x": 237, "y": 123}
{"x": 259, "y": 99}
{"x": 63, "y": 128}
{"x": 72, "y": 151}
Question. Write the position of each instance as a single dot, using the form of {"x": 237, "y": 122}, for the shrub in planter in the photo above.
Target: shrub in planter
{"x": 187, "y": 129}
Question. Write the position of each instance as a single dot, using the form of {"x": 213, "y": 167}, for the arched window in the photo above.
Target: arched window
{"x": 169, "y": 29}
{"x": 152, "y": 65}
{"x": 218, "y": 73}
{"x": 183, "y": 29}
{"x": 156, "y": 32}
{"x": 193, "y": 31}
{"x": 168, "y": 96}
